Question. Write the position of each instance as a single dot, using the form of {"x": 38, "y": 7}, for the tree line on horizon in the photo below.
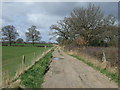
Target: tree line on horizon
{"x": 10, "y": 34}
{"x": 87, "y": 27}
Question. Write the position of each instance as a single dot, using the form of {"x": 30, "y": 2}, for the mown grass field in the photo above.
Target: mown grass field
{"x": 12, "y": 57}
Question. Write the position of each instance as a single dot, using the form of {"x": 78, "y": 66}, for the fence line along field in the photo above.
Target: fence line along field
{"x": 12, "y": 58}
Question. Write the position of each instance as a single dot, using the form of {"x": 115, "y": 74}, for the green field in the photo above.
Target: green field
{"x": 12, "y": 57}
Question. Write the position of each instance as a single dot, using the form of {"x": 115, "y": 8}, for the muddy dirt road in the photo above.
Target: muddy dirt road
{"x": 69, "y": 72}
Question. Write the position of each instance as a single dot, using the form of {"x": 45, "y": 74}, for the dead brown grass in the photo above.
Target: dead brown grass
{"x": 95, "y": 61}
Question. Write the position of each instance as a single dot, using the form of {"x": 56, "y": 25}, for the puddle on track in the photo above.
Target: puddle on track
{"x": 57, "y": 58}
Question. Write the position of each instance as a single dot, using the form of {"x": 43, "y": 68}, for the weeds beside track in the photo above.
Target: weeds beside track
{"x": 33, "y": 78}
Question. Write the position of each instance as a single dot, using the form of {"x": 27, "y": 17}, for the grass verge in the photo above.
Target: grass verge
{"x": 112, "y": 76}
{"x": 33, "y": 78}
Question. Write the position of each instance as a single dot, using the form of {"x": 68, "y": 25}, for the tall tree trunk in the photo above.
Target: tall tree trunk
{"x": 9, "y": 40}
{"x": 10, "y": 43}
{"x": 33, "y": 42}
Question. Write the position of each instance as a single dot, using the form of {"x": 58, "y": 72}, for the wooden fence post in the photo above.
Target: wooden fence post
{"x": 45, "y": 47}
{"x": 104, "y": 57}
{"x": 23, "y": 62}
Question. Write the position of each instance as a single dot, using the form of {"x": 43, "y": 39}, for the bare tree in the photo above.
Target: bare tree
{"x": 33, "y": 35}
{"x": 9, "y": 33}
{"x": 63, "y": 29}
{"x": 88, "y": 23}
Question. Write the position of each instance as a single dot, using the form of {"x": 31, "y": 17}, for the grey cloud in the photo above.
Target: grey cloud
{"x": 108, "y": 7}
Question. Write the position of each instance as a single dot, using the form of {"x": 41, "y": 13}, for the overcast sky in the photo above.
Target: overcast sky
{"x": 24, "y": 14}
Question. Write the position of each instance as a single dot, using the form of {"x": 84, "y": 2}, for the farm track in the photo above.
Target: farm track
{"x": 69, "y": 72}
